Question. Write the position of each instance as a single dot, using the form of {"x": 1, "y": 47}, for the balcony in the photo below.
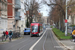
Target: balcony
{"x": 17, "y": 16}
{"x": 17, "y": 4}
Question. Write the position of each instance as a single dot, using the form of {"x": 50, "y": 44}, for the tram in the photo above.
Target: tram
{"x": 36, "y": 29}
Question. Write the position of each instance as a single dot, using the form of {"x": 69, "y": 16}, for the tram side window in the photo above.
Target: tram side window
{"x": 39, "y": 28}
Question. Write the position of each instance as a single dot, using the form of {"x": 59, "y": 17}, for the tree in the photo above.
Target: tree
{"x": 27, "y": 24}
{"x": 32, "y": 7}
{"x": 71, "y": 10}
{"x": 58, "y": 11}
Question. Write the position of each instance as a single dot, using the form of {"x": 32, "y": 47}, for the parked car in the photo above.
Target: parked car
{"x": 26, "y": 31}
{"x": 69, "y": 27}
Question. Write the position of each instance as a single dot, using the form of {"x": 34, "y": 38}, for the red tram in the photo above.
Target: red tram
{"x": 36, "y": 28}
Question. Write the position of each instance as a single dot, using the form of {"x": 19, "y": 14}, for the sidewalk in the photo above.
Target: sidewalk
{"x": 69, "y": 44}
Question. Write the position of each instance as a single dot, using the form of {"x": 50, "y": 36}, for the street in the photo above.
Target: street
{"x": 47, "y": 42}
{"x": 52, "y": 21}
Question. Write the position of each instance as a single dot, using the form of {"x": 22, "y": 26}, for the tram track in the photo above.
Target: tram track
{"x": 52, "y": 40}
{"x": 49, "y": 37}
{"x": 44, "y": 42}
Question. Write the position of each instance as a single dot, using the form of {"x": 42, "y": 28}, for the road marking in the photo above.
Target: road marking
{"x": 44, "y": 42}
{"x": 27, "y": 44}
{"x": 40, "y": 33}
{"x": 31, "y": 48}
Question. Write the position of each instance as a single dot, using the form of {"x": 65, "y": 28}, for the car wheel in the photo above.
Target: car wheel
{"x": 24, "y": 33}
{"x": 29, "y": 33}
{"x": 38, "y": 35}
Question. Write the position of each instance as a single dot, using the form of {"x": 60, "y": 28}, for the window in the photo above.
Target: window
{"x": 39, "y": 28}
{"x": 34, "y": 28}
{"x": 27, "y": 28}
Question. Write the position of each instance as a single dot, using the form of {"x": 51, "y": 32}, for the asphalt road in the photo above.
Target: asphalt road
{"x": 47, "y": 42}
{"x": 21, "y": 44}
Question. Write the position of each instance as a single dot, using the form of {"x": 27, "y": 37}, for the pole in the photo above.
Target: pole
{"x": 66, "y": 19}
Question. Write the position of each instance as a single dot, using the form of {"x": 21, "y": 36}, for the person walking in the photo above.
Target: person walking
{"x": 10, "y": 35}
{"x": 73, "y": 33}
{"x": 6, "y": 33}
{"x": 3, "y": 36}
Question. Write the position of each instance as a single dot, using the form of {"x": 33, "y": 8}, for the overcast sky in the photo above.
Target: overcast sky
{"x": 44, "y": 8}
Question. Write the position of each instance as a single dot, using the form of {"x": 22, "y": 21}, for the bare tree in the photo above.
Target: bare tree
{"x": 59, "y": 14}
{"x": 32, "y": 7}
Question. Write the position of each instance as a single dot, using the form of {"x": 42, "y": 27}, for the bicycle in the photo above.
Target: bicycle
{"x": 3, "y": 37}
{"x": 10, "y": 37}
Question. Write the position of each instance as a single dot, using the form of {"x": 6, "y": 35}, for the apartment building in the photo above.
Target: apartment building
{"x": 10, "y": 14}
{"x": 3, "y": 15}
{"x": 17, "y": 15}
{"x": 22, "y": 22}
{"x": 45, "y": 19}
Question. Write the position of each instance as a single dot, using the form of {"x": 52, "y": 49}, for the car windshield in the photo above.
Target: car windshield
{"x": 34, "y": 28}
{"x": 27, "y": 29}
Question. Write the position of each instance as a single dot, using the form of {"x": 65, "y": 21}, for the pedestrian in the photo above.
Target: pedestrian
{"x": 10, "y": 35}
{"x": 73, "y": 33}
{"x": 3, "y": 36}
{"x": 6, "y": 33}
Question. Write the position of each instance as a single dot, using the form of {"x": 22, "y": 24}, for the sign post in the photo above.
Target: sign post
{"x": 65, "y": 20}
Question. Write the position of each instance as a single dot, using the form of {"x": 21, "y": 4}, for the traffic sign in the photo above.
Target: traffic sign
{"x": 65, "y": 20}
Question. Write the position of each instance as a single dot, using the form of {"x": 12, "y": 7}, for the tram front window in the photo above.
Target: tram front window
{"x": 34, "y": 28}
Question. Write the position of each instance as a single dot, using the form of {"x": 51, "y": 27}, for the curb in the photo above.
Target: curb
{"x": 60, "y": 41}
{"x": 65, "y": 46}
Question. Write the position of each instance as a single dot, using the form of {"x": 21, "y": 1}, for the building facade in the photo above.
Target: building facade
{"x": 3, "y": 15}
{"x": 10, "y": 14}
{"x": 17, "y": 15}
{"x": 22, "y": 22}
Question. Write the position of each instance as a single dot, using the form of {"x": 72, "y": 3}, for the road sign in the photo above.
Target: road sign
{"x": 65, "y": 20}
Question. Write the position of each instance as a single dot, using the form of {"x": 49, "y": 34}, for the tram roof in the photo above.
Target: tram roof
{"x": 35, "y": 23}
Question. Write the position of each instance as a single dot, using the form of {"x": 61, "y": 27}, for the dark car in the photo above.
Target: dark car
{"x": 26, "y": 31}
